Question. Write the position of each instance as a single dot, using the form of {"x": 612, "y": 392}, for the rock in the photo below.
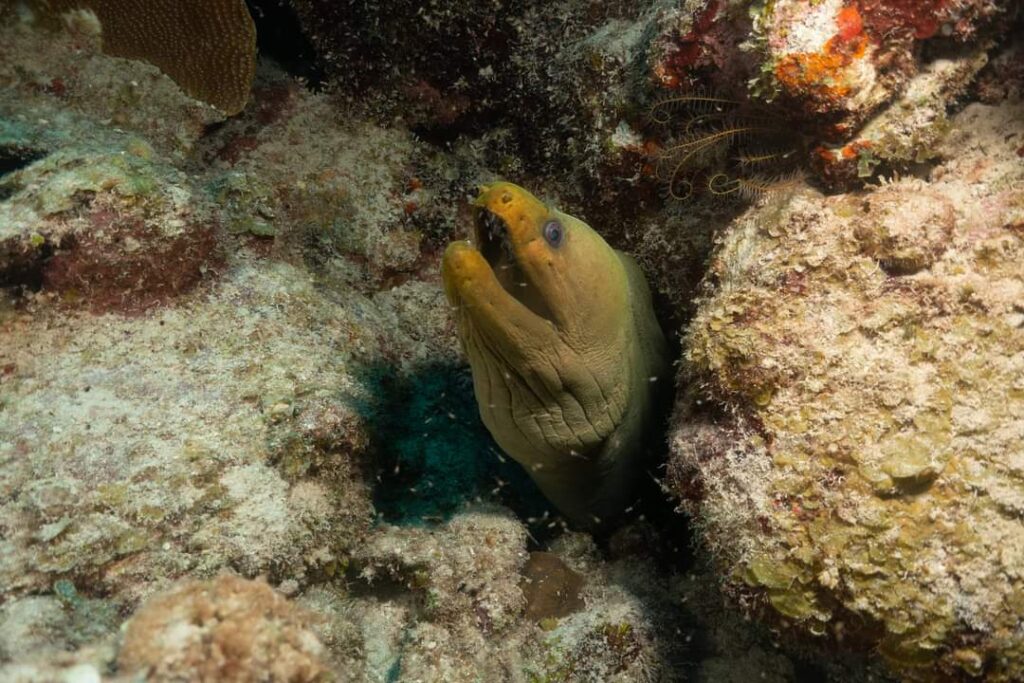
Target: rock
{"x": 108, "y": 230}
{"x": 844, "y": 60}
{"x": 227, "y": 629}
{"x": 539, "y": 99}
{"x": 551, "y": 588}
{"x": 909, "y": 131}
{"x": 843, "y": 90}
{"x": 446, "y": 602}
{"x": 171, "y": 473}
{"x": 55, "y": 93}
{"x": 862, "y": 486}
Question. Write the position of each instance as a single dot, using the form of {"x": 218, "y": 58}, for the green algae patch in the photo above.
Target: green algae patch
{"x": 771, "y": 574}
{"x": 795, "y": 605}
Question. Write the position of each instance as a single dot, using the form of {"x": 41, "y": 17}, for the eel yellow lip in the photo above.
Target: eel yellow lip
{"x": 519, "y": 211}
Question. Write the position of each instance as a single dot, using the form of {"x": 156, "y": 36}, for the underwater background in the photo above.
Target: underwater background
{"x": 238, "y": 433}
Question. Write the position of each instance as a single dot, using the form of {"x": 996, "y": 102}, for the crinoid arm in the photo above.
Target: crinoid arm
{"x": 725, "y": 147}
{"x": 692, "y": 105}
{"x": 755, "y": 187}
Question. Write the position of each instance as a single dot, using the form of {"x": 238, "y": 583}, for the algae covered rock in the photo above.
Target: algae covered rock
{"x": 864, "y": 484}
{"x": 755, "y": 92}
{"x": 844, "y": 59}
{"x": 151, "y": 482}
{"x": 562, "y": 100}
{"x": 226, "y": 629}
{"x": 111, "y": 229}
{"x": 448, "y": 602}
{"x": 57, "y": 86}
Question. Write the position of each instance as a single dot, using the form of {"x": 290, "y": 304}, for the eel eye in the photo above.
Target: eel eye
{"x": 553, "y": 233}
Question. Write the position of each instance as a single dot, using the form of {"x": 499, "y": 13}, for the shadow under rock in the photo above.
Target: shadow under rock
{"x": 433, "y": 454}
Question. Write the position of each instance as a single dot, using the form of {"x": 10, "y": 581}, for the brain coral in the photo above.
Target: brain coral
{"x": 207, "y": 46}
{"x": 868, "y": 483}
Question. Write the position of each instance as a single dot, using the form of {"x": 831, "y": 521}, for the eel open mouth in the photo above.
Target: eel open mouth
{"x": 494, "y": 242}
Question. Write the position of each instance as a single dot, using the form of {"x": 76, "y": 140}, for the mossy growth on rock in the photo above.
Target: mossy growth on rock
{"x": 868, "y": 484}
{"x": 228, "y": 629}
{"x": 110, "y": 229}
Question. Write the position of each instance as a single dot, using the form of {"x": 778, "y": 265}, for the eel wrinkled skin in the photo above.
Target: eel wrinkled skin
{"x": 569, "y": 364}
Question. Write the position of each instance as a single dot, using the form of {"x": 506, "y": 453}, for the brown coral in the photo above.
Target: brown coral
{"x": 227, "y": 629}
{"x": 207, "y": 46}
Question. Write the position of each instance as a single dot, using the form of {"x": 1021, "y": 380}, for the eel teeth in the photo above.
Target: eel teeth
{"x": 493, "y": 237}
{"x": 494, "y": 226}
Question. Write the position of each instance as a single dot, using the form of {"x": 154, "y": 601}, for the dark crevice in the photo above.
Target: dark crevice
{"x": 434, "y": 454}
{"x": 13, "y": 159}
{"x": 26, "y": 274}
{"x": 279, "y": 37}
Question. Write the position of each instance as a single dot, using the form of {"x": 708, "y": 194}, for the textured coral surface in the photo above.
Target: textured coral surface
{"x": 207, "y": 47}
{"x": 867, "y": 484}
{"x": 227, "y": 629}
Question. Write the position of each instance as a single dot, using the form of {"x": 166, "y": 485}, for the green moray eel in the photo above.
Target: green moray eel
{"x": 569, "y": 363}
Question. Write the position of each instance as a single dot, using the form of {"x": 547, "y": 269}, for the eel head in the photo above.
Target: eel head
{"x": 542, "y": 304}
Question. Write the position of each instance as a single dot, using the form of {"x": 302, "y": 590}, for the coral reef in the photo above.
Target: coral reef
{"x": 845, "y": 59}
{"x": 212, "y": 418}
{"x": 864, "y": 485}
{"x": 567, "y": 103}
{"x": 231, "y": 395}
{"x": 867, "y": 85}
{"x": 50, "y": 96}
{"x": 278, "y": 460}
{"x": 447, "y": 605}
{"x": 114, "y": 228}
{"x": 555, "y": 101}
{"x": 160, "y": 429}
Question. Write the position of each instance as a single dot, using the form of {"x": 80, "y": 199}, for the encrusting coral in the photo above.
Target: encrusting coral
{"x": 207, "y": 46}
{"x": 227, "y": 629}
{"x": 865, "y": 485}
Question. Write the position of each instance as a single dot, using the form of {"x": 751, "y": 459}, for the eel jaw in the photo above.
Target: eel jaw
{"x": 497, "y": 244}
{"x": 491, "y": 235}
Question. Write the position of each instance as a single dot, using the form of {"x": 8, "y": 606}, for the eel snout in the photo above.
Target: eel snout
{"x": 494, "y": 240}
